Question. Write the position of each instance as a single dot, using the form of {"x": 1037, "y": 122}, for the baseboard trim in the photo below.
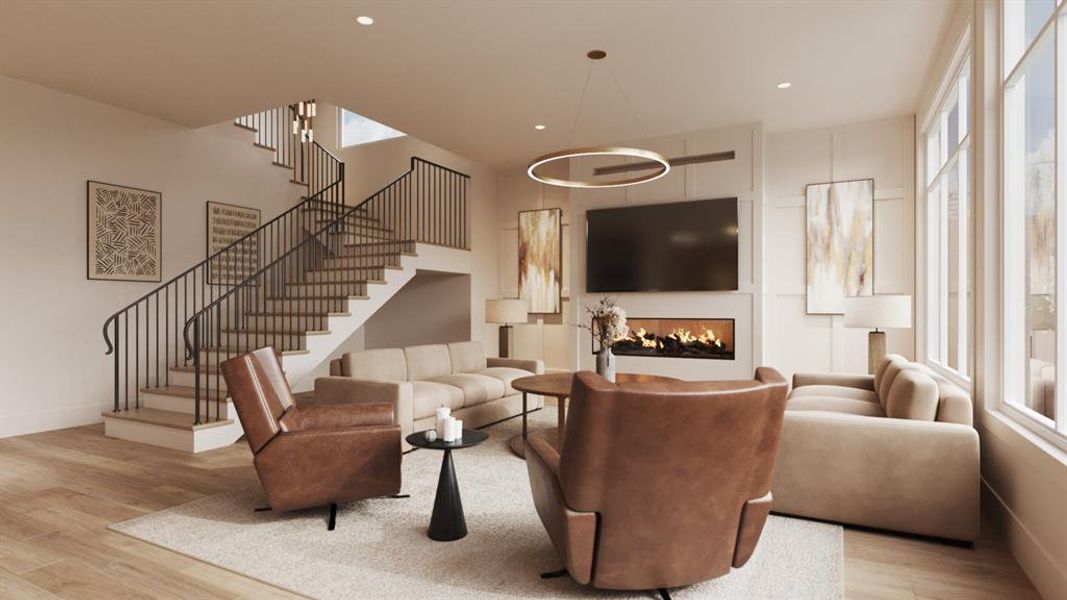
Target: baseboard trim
{"x": 50, "y": 420}
{"x": 1036, "y": 561}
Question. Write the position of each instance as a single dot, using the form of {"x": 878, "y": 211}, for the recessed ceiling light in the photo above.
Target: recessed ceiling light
{"x": 539, "y": 127}
{"x": 365, "y": 20}
{"x": 785, "y": 85}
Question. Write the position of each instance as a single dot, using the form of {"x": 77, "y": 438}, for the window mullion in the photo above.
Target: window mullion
{"x": 1061, "y": 222}
{"x": 962, "y": 268}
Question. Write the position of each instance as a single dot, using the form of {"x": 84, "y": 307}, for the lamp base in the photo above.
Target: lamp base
{"x": 875, "y": 350}
{"x": 504, "y": 341}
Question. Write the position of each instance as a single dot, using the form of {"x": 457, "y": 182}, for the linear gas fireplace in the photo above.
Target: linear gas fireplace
{"x": 677, "y": 338}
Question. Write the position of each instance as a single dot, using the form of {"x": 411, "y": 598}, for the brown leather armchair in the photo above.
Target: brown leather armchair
{"x": 311, "y": 455}
{"x": 659, "y": 485}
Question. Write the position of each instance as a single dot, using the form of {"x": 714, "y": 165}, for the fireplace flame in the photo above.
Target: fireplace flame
{"x": 680, "y": 334}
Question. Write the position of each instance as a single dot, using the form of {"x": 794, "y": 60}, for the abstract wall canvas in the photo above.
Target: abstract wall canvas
{"x": 541, "y": 259}
{"x": 840, "y": 240}
{"x": 125, "y": 233}
{"x": 227, "y": 224}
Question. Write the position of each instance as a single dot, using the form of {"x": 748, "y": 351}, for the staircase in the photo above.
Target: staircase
{"x": 301, "y": 283}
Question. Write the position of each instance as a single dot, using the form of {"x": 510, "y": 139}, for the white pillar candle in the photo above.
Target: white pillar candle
{"x": 442, "y": 416}
{"x": 449, "y": 429}
{"x": 459, "y": 429}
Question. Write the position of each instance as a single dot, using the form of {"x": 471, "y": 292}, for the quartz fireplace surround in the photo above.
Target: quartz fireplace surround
{"x": 677, "y": 338}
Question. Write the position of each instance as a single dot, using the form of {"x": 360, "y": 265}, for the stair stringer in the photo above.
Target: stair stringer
{"x": 320, "y": 348}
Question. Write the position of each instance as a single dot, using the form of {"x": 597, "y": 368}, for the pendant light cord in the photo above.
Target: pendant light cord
{"x": 581, "y": 102}
{"x": 626, "y": 98}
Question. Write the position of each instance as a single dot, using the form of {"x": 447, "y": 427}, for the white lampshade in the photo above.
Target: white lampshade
{"x": 505, "y": 310}
{"x": 881, "y": 311}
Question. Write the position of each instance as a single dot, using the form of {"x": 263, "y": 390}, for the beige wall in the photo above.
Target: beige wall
{"x": 433, "y": 308}
{"x": 53, "y": 371}
{"x": 1024, "y": 477}
{"x": 882, "y": 150}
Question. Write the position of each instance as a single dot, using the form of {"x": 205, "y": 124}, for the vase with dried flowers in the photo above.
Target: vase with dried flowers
{"x": 607, "y": 323}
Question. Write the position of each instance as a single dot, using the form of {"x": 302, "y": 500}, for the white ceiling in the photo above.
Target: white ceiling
{"x": 475, "y": 76}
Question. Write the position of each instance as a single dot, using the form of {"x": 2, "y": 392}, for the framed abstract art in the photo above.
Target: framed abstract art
{"x": 226, "y": 224}
{"x": 125, "y": 233}
{"x": 541, "y": 260}
{"x": 840, "y": 244}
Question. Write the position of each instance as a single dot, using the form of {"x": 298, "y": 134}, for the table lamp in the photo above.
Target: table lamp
{"x": 505, "y": 311}
{"x": 878, "y": 312}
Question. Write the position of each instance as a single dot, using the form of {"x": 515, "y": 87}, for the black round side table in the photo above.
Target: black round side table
{"x": 447, "y": 523}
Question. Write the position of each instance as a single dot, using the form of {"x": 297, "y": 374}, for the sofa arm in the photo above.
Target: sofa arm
{"x": 346, "y": 390}
{"x": 863, "y": 382}
{"x": 919, "y": 477}
{"x": 536, "y": 367}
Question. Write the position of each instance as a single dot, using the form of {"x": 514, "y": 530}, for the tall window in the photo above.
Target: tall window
{"x": 949, "y": 229}
{"x": 1035, "y": 290}
{"x": 357, "y": 129}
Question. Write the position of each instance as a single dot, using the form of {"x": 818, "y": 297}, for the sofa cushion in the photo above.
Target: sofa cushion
{"x": 428, "y": 396}
{"x": 836, "y": 404}
{"x": 477, "y": 389}
{"x": 912, "y": 395}
{"x": 506, "y": 375}
{"x": 837, "y": 391}
{"x": 427, "y": 361}
{"x": 386, "y": 364}
{"x": 889, "y": 373}
{"x": 467, "y": 357}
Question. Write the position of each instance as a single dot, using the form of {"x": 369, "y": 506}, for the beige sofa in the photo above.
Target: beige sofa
{"x": 418, "y": 379}
{"x": 1042, "y": 387}
{"x": 896, "y": 450}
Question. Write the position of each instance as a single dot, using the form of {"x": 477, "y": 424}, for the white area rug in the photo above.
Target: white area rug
{"x": 380, "y": 548}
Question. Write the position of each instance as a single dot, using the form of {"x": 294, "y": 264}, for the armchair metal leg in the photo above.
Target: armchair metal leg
{"x": 333, "y": 518}
{"x": 664, "y": 594}
{"x": 399, "y": 496}
{"x": 554, "y": 574}
{"x": 261, "y": 509}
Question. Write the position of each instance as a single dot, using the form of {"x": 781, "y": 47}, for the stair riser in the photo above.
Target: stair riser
{"x": 289, "y": 322}
{"x": 363, "y": 238}
{"x": 351, "y": 226}
{"x": 344, "y": 261}
{"x": 188, "y": 379}
{"x": 175, "y": 439}
{"x": 212, "y": 357}
{"x": 346, "y": 273}
{"x": 286, "y": 341}
{"x": 187, "y": 405}
{"x": 316, "y": 306}
{"x": 299, "y": 290}
{"x": 389, "y": 247}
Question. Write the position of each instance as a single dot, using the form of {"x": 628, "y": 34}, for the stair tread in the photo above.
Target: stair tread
{"x": 299, "y": 298}
{"x": 285, "y": 314}
{"x": 182, "y": 391}
{"x": 165, "y": 418}
{"x": 238, "y": 350}
{"x": 279, "y": 332}
{"x": 192, "y": 369}
{"x": 354, "y": 267}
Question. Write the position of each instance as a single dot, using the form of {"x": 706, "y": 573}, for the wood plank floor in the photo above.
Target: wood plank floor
{"x": 59, "y": 490}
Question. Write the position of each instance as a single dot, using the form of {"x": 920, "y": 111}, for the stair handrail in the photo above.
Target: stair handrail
{"x": 210, "y": 315}
{"x": 190, "y": 349}
{"x": 316, "y": 197}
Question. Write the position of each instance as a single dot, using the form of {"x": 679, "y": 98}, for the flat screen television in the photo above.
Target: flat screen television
{"x": 676, "y": 247}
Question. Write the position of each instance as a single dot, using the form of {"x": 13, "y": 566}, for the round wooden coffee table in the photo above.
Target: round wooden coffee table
{"x": 558, "y": 386}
